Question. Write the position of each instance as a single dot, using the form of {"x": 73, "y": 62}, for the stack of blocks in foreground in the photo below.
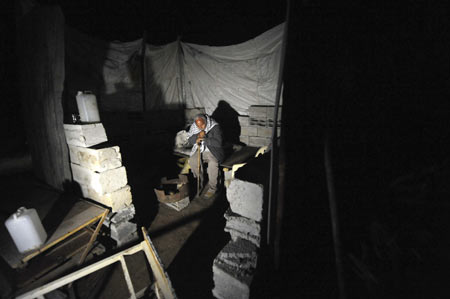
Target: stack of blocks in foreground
{"x": 257, "y": 127}
{"x": 235, "y": 265}
{"x": 102, "y": 177}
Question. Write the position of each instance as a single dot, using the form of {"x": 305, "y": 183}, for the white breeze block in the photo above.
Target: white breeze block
{"x": 103, "y": 182}
{"x": 96, "y": 159}
{"x": 121, "y": 231}
{"x": 242, "y": 227}
{"x": 264, "y": 132}
{"x": 85, "y": 135}
{"x": 246, "y": 199}
{"x": 249, "y": 131}
{"x": 240, "y": 255}
{"x": 124, "y": 214}
{"x": 227, "y": 285}
{"x": 117, "y": 200}
{"x": 259, "y": 141}
{"x": 244, "y": 120}
{"x": 243, "y": 139}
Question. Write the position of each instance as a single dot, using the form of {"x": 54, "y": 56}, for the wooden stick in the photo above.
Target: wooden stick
{"x": 37, "y": 252}
{"x": 93, "y": 237}
{"x": 198, "y": 168}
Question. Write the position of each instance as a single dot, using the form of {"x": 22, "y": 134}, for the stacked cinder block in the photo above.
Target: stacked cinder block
{"x": 234, "y": 266}
{"x": 101, "y": 175}
{"x": 256, "y": 128}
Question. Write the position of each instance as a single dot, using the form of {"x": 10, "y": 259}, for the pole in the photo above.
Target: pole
{"x": 198, "y": 168}
{"x": 334, "y": 218}
{"x": 143, "y": 70}
{"x": 274, "y": 152}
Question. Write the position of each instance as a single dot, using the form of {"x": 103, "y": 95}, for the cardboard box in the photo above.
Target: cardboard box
{"x": 172, "y": 190}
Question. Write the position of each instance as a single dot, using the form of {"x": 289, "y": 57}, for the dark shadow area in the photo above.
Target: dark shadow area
{"x": 370, "y": 83}
{"x": 61, "y": 208}
{"x": 227, "y": 118}
{"x": 191, "y": 270}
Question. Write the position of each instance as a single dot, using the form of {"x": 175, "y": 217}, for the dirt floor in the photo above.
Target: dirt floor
{"x": 186, "y": 241}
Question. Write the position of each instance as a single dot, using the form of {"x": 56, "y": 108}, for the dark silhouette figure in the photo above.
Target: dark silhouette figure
{"x": 227, "y": 117}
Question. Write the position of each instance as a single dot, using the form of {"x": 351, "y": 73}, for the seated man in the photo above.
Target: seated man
{"x": 206, "y": 134}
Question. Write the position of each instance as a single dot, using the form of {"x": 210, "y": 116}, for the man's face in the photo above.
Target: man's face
{"x": 201, "y": 124}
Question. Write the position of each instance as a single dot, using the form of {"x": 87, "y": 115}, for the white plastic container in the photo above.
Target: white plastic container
{"x": 26, "y": 229}
{"x": 87, "y": 107}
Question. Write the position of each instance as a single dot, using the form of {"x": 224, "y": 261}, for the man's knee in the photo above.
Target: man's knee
{"x": 193, "y": 164}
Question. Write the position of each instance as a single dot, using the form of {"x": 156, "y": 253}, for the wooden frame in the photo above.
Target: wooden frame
{"x": 162, "y": 281}
{"x": 70, "y": 231}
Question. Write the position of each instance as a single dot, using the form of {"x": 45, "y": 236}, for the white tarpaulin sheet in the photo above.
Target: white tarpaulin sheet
{"x": 176, "y": 74}
{"x": 242, "y": 75}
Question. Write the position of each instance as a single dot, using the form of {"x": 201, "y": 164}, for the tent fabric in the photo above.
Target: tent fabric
{"x": 176, "y": 75}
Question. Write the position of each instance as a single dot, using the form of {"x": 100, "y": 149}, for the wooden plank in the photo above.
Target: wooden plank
{"x": 127, "y": 277}
{"x": 42, "y": 290}
{"x": 93, "y": 237}
{"x": 240, "y": 156}
{"x": 45, "y": 263}
{"x": 162, "y": 279}
{"x": 82, "y": 214}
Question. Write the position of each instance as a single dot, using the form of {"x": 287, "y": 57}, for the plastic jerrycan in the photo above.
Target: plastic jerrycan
{"x": 87, "y": 107}
{"x": 26, "y": 229}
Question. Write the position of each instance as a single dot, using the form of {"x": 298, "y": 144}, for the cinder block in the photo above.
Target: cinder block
{"x": 258, "y": 141}
{"x": 244, "y": 120}
{"x": 96, "y": 159}
{"x": 227, "y": 284}
{"x": 243, "y": 139}
{"x": 242, "y": 227}
{"x": 258, "y": 122}
{"x": 85, "y": 135}
{"x": 271, "y": 112}
{"x": 237, "y": 234}
{"x": 117, "y": 200}
{"x": 121, "y": 231}
{"x": 101, "y": 182}
{"x": 257, "y": 111}
{"x": 128, "y": 239}
{"x": 264, "y": 132}
{"x": 242, "y": 250}
{"x": 124, "y": 214}
{"x": 246, "y": 199}
{"x": 249, "y": 131}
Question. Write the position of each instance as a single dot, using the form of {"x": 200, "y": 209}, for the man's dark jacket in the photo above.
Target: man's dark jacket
{"x": 213, "y": 141}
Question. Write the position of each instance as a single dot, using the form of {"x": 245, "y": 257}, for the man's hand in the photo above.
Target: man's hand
{"x": 200, "y": 137}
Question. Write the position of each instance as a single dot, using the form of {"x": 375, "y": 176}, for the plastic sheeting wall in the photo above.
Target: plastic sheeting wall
{"x": 176, "y": 75}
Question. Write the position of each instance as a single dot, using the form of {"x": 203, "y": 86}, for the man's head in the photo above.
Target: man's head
{"x": 200, "y": 121}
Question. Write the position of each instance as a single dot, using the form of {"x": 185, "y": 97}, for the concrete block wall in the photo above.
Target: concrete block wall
{"x": 102, "y": 177}
{"x": 235, "y": 265}
{"x": 256, "y": 128}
